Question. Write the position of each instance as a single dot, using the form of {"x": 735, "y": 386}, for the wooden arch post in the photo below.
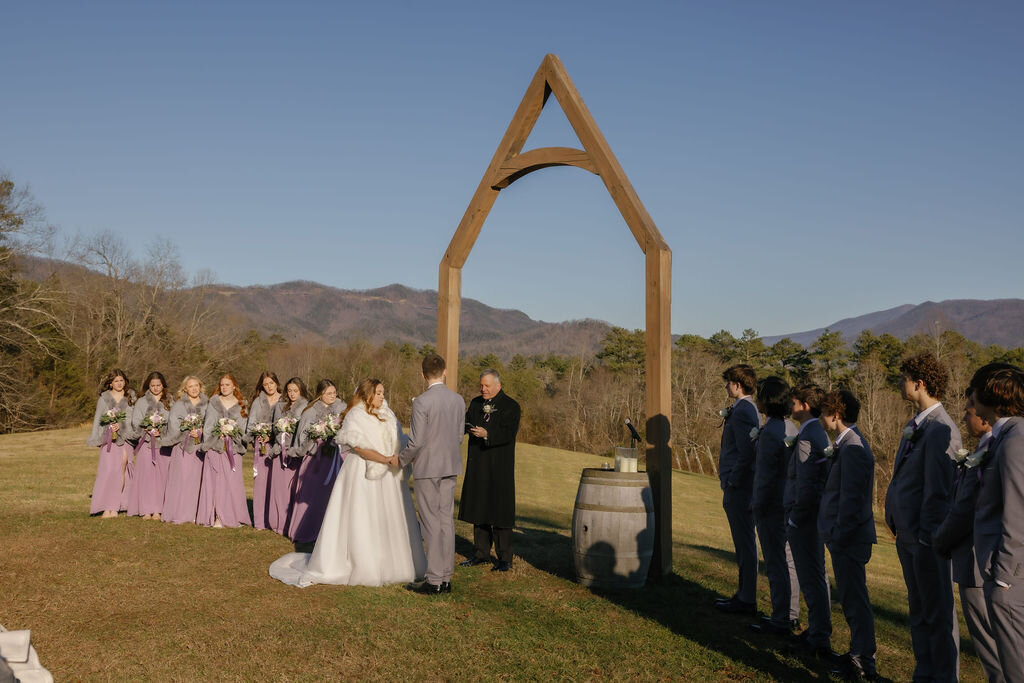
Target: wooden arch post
{"x": 508, "y": 165}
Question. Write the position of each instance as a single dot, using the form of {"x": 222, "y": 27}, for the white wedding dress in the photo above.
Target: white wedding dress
{"x": 370, "y": 536}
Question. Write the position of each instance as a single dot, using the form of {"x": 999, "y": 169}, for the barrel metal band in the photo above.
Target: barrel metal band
{"x": 612, "y": 508}
{"x": 636, "y": 483}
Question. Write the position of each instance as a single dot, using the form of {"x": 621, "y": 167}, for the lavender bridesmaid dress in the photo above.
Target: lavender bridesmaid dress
{"x": 222, "y": 493}
{"x": 283, "y": 468}
{"x": 261, "y": 411}
{"x": 316, "y": 475}
{"x": 186, "y": 469}
{"x": 112, "y": 471}
{"x": 152, "y": 461}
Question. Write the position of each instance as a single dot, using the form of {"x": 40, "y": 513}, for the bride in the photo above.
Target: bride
{"x": 370, "y": 536}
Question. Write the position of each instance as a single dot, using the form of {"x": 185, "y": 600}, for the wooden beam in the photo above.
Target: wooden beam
{"x": 543, "y": 157}
{"x": 658, "y": 275}
{"x": 449, "y": 308}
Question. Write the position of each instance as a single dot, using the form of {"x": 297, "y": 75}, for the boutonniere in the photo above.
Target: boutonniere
{"x": 830, "y": 450}
{"x": 754, "y": 433}
{"x": 961, "y": 455}
{"x": 488, "y": 410}
{"x": 975, "y": 458}
{"x": 789, "y": 441}
{"x": 724, "y": 413}
{"x": 908, "y": 432}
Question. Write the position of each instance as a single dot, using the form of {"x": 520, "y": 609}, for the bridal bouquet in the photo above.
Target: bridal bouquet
{"x": 261, "y": 430}
{"x": 286, "y": 425}
{"x": 153, "y": 422}
{"x": 191, "y": 422}
{"x": 112, "y": 416}
{"x": 227, "y": 428}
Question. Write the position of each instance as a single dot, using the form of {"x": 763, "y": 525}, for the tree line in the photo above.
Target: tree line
{"x": 62, "y": 330}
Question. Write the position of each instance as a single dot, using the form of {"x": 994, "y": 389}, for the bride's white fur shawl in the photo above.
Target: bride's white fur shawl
{"x": 378, "y": 432}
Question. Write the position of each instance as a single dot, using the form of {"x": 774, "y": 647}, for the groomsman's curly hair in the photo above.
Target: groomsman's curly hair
{"x": 812, "y": 395}
{"x": 742, "y": 374}
{"x": 1004, "y": 392}
{"x": 773, "y": 397}
{"x": 842, "y": 403}
{"x": 926, "y": 368}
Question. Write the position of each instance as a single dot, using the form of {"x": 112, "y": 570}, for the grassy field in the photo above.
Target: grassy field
{"x": 131, "y": 599}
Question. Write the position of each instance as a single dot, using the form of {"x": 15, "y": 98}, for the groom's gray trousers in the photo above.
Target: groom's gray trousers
{"x": 435, "y": 499}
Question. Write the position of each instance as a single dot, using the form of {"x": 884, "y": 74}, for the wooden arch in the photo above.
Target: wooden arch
{"x": 508, "y": 165}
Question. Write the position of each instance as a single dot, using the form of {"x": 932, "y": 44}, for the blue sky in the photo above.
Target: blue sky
{"x": 805, "y": 161}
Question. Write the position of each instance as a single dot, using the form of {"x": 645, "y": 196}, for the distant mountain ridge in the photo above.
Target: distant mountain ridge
{"x": 985, "y": 321}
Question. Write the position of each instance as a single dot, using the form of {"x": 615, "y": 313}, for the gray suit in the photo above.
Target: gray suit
{"x": 736, "y": 472}
{"x": 847, "y": 525}
{"x": 438, "y": 419}
{"x": 999, "y": 543}
{"x": 805, "y": 480}
{"x": 955, "y": 538}
{"x": 915, "y": 505}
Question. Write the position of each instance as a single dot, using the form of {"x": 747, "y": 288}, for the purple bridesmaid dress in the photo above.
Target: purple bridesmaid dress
{"x": 110, "y": 475}
{"x": 183, "y": 480}
{"x": 222, "y": 492}
{"x": 313, "y": 485}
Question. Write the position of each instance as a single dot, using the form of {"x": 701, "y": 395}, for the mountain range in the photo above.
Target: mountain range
{"x": 312, "y": 312}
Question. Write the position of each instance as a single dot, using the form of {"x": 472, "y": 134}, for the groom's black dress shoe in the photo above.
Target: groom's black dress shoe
{"x": 426, "y": 588}
{"x": 501, "y": 566}
{"x": 473, "y": 561}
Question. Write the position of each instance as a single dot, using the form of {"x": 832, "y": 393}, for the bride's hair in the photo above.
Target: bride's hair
{"x": 364, "y": 394}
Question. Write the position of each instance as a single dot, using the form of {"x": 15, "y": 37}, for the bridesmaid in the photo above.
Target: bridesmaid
{"x": 109, "y": 430}
{"x": 222, "y": 494}
{"x": 318, "y": 470}
{"x": 282, "y": 471}
{"x": 186, "y": 470}
{"x": 264, "y": 407}
{"x": 152, "y": 460}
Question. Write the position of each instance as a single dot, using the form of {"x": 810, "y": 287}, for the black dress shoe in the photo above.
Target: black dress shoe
{"x": 771, "y": 628}
{"x": 728, "y": 599}
{"x": 735, "y": 606}
{"x": 446, "y": 587}
{"x": 473, "y": 561}
{"x": 426, "y": 588}
{"x": 501, "y": 566}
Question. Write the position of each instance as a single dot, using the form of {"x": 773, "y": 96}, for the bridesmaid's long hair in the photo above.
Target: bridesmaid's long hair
{"x": 165, "y": 393}
{"x": 321, "y": 386}
{"x": 364, "y": 394}
{"x": 242, "y": 405}
{"x": 184, "y": 383}
{"x": 129, "y": 393}
{"x": 303, "y": 391}
{"x": 259, "y": 385}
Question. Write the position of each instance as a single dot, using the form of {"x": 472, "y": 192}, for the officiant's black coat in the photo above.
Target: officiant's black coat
{"x": 489, "y": 488}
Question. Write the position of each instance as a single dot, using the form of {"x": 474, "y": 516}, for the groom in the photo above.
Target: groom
{"x": 434, "y": 451}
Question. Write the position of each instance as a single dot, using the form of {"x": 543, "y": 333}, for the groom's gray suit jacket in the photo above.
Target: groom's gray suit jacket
{"x": 438, "y": 423}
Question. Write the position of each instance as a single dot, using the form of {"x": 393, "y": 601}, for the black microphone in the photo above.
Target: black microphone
{"x": 632, "y": 430}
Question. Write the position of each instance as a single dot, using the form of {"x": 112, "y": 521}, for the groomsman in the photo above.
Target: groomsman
{"x": 805, "y": 480}
{"x": 847, "y": 525}
{"x": 773, "y": 399}
{"x": 955, "y": 539}
{"x": 736, "y": 472}
{"x": 999, "y": 518}
{"x": 915, "y": 505}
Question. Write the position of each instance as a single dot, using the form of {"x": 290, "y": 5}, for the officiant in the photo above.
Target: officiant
{"x": 489, "y": 488}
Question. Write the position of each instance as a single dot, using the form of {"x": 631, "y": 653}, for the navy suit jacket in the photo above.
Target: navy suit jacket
{"x": 846, "y": 516}
{"x": 736, "y": 458}
{"x": 805, "y": 475}
{"x": 919, "y": 493}
{"x": 955, "y": 536}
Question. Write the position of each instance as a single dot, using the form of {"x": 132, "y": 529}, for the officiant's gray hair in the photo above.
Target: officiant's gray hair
{"x": 493, "y": 373}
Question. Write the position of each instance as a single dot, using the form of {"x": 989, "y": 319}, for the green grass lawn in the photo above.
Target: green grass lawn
{"x": 132, "y": 599}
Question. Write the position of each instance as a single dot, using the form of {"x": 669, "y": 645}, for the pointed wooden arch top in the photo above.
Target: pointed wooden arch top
{"x": 510, "y": 163}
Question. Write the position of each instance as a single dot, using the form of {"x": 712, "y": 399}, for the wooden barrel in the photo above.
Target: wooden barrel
{"x": 613, "y": 529}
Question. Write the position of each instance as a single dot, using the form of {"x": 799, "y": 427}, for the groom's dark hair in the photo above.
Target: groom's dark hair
{"x": 433, "y": 366}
